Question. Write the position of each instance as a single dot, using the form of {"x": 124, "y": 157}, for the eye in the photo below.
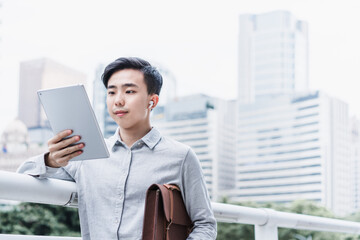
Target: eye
{"x": 111, "y": 92}
{"x": 130, "y": 91}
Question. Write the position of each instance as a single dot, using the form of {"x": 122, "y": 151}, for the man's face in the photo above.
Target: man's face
{"x": 128, "y": 99}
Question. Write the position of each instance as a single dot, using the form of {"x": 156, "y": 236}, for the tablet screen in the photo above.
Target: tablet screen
{"x": 69, "y": 108}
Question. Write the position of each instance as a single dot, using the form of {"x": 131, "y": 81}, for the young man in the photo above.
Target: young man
{"x": 112, "y": 191}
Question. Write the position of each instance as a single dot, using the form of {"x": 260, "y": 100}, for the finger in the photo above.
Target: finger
{"x": 54, "y": 147}
{"x": 67, "y": 142}
{"x": 65, "y": 160}
{"x": 67, "y": 151}
{"x": 58, "y": 137}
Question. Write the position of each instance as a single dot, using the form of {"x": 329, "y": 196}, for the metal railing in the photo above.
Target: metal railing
{"x": 25, "y": 188}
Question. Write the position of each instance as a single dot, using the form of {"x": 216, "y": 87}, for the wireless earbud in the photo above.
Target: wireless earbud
{"x": 151, "y": 103}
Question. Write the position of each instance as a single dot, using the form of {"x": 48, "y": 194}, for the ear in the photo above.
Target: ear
{"x": 155, "y": 99}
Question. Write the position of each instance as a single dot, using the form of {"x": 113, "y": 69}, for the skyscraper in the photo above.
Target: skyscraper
{"x": 273, "y": 56}
{"x": 355, "y": 161}
{"x": 291, "y": 143}
{"x": 42, "y": 74}
{"x": 295, "y": 148}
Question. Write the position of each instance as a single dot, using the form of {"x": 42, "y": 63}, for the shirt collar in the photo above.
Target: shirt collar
{"x": 150, "y": 139}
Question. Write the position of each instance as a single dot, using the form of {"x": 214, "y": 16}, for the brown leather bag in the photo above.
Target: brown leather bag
{"x": 165, "y": 214}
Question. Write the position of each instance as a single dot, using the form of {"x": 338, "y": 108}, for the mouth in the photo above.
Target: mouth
{"x": 120, "y": 113}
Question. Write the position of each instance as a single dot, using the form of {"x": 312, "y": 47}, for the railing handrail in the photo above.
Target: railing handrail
{"x": 262, "y": 216}
{"x": 25, "y": 188}
{"x": 21, "y": 187}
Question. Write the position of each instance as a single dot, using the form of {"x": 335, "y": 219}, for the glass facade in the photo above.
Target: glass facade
{"x": 272, "y": 46}
{"x": 292, "y": 148}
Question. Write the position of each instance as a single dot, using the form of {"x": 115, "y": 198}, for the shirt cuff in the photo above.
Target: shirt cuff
{"x": 35, "y": 166}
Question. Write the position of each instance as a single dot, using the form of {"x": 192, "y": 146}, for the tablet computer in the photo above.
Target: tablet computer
{"x": 69, "y": 108}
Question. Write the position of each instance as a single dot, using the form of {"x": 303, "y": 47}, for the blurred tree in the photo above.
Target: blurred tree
{"x": 235, "y": 231}
{"x": 40, "y": 219}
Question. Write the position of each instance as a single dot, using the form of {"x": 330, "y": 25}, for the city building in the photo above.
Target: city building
{"x": 168, "y": 92}
{"x": 291, "y": 148}
{"x": 207, "y": 125}
{"x": 355, "y": 161}
{"x": 41, "y": 74}
{"x": 106, "y": 123}
{"x": 99, "y": 99}
{"x": 15, "y": 146}
{"x": 273, "y": 56}
{"x": 291, "y": 143}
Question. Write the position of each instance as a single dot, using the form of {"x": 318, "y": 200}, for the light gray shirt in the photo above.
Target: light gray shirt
{"x": 112, "y": 191}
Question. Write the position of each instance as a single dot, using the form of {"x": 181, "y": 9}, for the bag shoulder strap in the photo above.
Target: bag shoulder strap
{"x": 174, "y": 207}
{"x": 171, "y": 188}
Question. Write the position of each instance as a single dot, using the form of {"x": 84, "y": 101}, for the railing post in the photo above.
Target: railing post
{"x": 266, "y": 232}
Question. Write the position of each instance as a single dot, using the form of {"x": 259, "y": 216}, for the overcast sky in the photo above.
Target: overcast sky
{"x": 195, "y": 39}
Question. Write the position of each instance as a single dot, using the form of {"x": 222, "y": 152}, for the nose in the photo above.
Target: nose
{"x": 119, "y": 99}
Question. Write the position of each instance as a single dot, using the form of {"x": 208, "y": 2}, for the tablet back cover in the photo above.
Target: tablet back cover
{"x": 69, "y": 108}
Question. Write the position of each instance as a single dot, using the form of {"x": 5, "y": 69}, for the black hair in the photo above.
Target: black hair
{"x": 152, "y": 77}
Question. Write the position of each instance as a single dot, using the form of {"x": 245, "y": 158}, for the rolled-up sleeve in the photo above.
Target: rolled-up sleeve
{"x": 197, "y": 200}
{"x": 35, "y": 166}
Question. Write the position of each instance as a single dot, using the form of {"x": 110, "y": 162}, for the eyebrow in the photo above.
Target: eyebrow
{"x": 123, "y": 85}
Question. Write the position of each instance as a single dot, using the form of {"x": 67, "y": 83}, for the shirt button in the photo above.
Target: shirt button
{"x": 116, "y": 220}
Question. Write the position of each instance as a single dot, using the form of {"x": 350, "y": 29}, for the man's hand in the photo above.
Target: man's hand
{"x": 60, "y": 151}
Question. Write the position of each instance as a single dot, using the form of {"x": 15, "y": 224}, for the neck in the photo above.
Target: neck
{"x": 130, "y": 136}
